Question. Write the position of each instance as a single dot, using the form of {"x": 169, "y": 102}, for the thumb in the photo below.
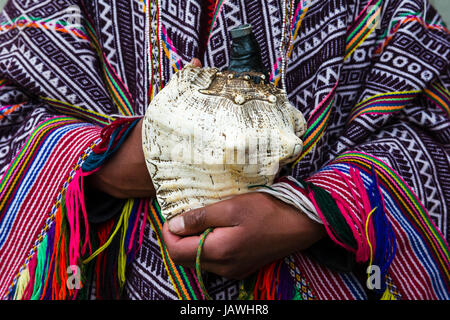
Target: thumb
{"x": 196, "y": 62}
{"x": 198, "y": 220}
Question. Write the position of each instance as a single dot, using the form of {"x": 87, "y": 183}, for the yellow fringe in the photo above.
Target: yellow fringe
{"x": 122, "y": 253}
{"x": 387, "y": 295}
{"x": 22, "y": 283}
{"x": 107, "y": 243}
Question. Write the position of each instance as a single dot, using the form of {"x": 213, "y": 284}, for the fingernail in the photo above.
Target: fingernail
{"x": 176, "y": 225}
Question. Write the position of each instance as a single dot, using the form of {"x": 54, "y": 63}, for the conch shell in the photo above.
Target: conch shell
{"x": 209, "y": 135}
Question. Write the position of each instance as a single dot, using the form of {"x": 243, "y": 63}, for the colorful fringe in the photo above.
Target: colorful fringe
{"x": 359, "y": 225}
{"x": 183, "y": 279}
{"x": 73, "y": 254}
{"x": 369, "y": 211}
{"x": 32, "y": 174}
{"x": 399, "y": 216}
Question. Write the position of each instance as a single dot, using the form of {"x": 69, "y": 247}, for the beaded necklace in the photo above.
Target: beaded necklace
{"x": 290, "y": 26}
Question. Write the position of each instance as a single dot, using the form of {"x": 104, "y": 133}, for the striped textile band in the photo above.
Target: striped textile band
{"x": 363, "y": 26}
{"x": 383, "y": 103}
{"x": 300, "y": 12}
{"x": 439, "y": 96}
{"x": 48, "y": 24}
{"x": 72, "y": 110}
{"x": 183, "y": 279}
{"x": 325, "y": 283}
{"x": 170, "y": 50}
{"x": 3, "y": 82}
{"x": 405, "y": 18}
{"x": 425, "y": 248}
{"x": 48, "y": 222}
{"x": 317, "y": 123}
{"x": 6, "y": 110}
{"x": 217, "y": 9}
{"x": 31, "y": 175}
{"x": 116, "y": 88}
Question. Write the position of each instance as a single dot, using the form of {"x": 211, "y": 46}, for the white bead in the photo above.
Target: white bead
{"x": 239, "y": 99}
{"x": 297, "y": 149}
{"x": 272, "y": 99}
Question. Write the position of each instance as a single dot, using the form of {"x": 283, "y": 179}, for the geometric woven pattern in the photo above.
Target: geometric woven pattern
{"x": 47, "y": 54}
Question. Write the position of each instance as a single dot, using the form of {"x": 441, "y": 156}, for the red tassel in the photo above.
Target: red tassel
{"x": 103, "y": 235}
{"x": 49, "y": 274}
{"x": 267, "y": 281}
{"x": 58, "y": 218}
{"x": 107, "y": 132}
{"x": 62, "y": 294}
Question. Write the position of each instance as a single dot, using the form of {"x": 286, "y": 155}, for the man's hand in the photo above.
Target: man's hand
{"x": 125, "y": 175}
{"x": 251, "y": 230}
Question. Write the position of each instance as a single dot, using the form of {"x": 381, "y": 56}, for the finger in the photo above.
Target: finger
{"x": 182, "y": 250}
{"x": 196, "y": 62}
{"x": 219, "y": 214}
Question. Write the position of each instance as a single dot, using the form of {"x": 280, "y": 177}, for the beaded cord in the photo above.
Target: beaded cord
{"x": 282, "y": 45}
{"x": 198, "y": 270}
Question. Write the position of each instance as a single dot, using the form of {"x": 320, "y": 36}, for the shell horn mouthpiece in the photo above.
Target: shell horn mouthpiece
{"x": 245, "y": 51}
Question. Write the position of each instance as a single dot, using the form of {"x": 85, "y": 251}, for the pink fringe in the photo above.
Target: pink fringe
{"x": 75, "y": 202}
{"x": 138, "y": 215}
{"x": 367, "y": 209}
{"x": 357, "y": 221}
{"x": 143, "y": 223}
{"x": 32, "y": 269}
{"x": 327, "y": 228}
{"x": 72, "y": 217}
